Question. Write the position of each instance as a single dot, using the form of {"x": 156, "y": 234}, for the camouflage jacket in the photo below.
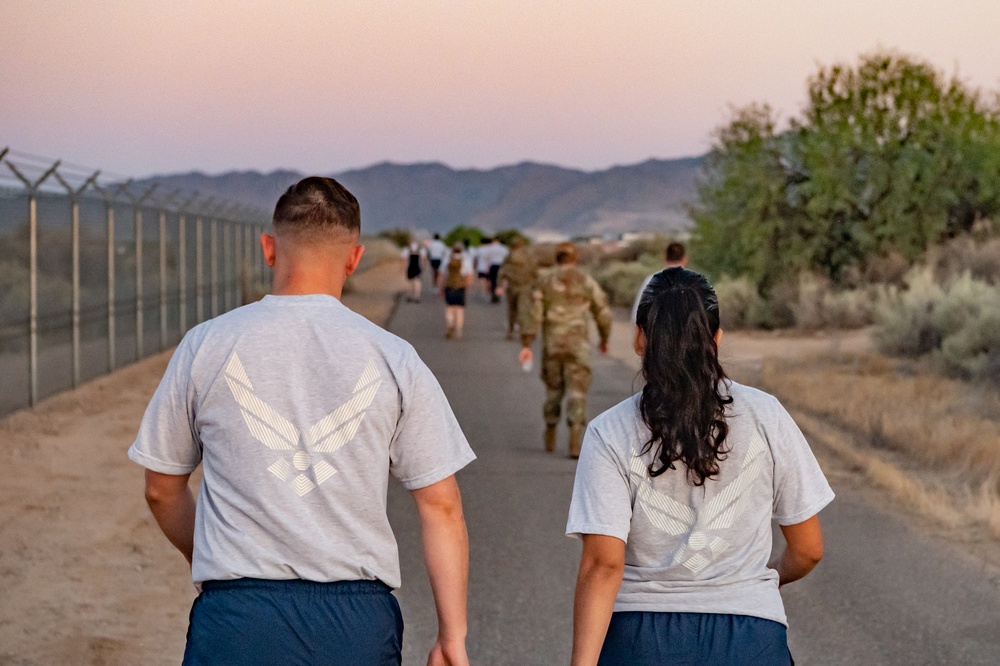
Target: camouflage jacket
{"x": 519, "y": 269}
{"x": 562, "y": 298}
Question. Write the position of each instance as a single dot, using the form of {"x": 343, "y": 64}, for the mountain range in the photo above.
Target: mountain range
{"x": 539, "y": 199}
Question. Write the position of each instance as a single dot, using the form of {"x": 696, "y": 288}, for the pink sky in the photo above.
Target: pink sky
{"x": 142, "y": 87}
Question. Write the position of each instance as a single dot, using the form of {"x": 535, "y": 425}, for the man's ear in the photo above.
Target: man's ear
{"x": 718, "y": 337}
{"x": 267, "y": 246}
{"x": 353, "y": 259}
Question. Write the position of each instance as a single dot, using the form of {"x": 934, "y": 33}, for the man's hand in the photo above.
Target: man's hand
{"x": 602, "y": 346}
{"x": 446, "y": 552}
{"x": 448, "y": 653}
{"x": 526, "y": 356}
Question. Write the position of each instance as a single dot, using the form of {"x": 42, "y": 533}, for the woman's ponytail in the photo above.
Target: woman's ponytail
{"x": 682, "y": 402}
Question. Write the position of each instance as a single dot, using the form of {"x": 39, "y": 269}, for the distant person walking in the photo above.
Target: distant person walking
{"x": 458, "y": 278}
{"x": 437, "y": 252}
{"x": 481, "y": 260}
{"x": 674, "y": 497}
{"x": 562, "y": 299}
{"x": 300, "y": 410}
{"x": 497, "y": 253}
{"x": 517, "y": 276}
{"x": 413, "y": 258}
{"x": 674, "y": 256}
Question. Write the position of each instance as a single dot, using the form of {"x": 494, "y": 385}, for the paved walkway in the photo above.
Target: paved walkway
{"x": 885, "y": 593}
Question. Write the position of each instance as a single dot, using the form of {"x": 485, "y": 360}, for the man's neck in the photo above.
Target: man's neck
{"x": 305, "y": 285}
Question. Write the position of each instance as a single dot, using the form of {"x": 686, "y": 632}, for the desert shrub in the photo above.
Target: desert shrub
{"x": 818, "y": 305}
{"x": 906, "y": 315}
{"x": 622, "y": 279}
{"x": 958, "y": 322}
{"x": 964, "y": 254}
{"x": 400, "y": 237}
{"x": 890, "y": 268}
{"x": 739, "y": 302}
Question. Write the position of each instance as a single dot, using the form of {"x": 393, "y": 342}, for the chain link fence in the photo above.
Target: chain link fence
{"x": 96, "y": 273}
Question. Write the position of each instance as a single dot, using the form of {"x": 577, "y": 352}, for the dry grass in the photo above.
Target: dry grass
{"x": 933, "y": 442}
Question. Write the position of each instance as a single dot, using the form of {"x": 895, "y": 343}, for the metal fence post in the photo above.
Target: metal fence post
{"x": 163, "y": 267}
{"x": 139, "y": 307}
{"x": 199, "y": 264}
{"x": 182, "y": 265}
{"x": 109, "y": 204}
{"x": 74, "y": 198}
{"x": 32, "y": 188}
{"x": 213, "y": 260}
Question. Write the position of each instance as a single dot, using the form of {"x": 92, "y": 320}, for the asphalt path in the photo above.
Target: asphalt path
{"x": 887, "y": 592}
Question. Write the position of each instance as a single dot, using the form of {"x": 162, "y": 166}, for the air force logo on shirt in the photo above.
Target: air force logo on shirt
{"x": 700, "y": 546}
{"x": 304, "y": 469}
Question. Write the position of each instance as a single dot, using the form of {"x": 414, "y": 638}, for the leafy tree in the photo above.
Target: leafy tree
{"x": 741, "y": 224}
{"x": 888, "y": 157}
{"x": 462, "y": 233}
{"x": 400, "y": 237}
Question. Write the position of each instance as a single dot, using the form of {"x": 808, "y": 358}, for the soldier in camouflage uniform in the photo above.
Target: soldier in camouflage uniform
{"x": 519, "y": 271}
{"x": 562, "y": 299}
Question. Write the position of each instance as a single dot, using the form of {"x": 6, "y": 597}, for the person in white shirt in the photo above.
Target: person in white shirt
{"x": 481, "y": 260}
{"x": 497, "y": 252}
{"x": 299, "y": 410}
{"x": 437, "y": 251}
{"x": 674, "y": 497}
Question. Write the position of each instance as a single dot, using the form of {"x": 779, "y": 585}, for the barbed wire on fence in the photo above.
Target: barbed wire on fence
{"x": 156, "y": 248}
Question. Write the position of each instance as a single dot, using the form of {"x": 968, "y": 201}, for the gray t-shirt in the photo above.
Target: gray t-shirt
{"x": 299, "y": 409}
{"x": 698, "y": 549}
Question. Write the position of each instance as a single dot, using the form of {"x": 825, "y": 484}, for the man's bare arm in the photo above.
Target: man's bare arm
{"x": 172, "y": 504}
{"x": 446, "y": 551}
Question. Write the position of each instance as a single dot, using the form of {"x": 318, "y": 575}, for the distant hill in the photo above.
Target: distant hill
{"x": 536, "y": 198}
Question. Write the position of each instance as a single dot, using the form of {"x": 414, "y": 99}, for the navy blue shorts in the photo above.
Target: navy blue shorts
{"x": 652, "y": 639}
{"x": 248, "y": 622}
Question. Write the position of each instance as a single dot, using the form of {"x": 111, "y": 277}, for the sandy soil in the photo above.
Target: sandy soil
{"x": 742, "y": 352}
{"x": 85, "y": 575}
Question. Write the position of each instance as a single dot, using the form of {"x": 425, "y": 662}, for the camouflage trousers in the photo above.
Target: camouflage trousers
{"x": 518, "y": 298}
{"x": 564, "y": 374}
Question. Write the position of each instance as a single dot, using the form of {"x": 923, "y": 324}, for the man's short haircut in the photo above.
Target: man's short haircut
{"x": 317, "y": 209}
{"x": 675, "y": 252}
{"x": 565, "y": 253}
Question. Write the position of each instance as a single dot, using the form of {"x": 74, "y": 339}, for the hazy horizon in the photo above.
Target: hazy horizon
{"x": 143, "y": 88}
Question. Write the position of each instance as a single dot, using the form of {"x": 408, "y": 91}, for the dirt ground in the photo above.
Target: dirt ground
{"x": 85, "y": 575}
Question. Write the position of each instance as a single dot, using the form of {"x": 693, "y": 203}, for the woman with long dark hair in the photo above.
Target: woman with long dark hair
{"x": 674, "y": 496}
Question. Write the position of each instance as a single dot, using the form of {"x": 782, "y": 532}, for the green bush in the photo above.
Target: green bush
{"x": 819, "y": 306}
{"x": 740, "y": 305}
{"x": 906, "y": 316}
{"x": 622, "y": 279}
{"x": 958, "y": 323}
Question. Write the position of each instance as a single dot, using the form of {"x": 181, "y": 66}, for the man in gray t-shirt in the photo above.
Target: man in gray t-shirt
{"x": 299, "y": 410}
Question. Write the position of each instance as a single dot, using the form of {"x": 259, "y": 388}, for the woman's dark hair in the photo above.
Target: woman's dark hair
{"x": 682, "y": 402}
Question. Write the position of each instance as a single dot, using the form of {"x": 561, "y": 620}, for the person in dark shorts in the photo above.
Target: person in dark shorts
{"x": 458, "y": 278}
{"x": 674, "y": 497}
{"x": 437, "y": 252}
{"x": 413, "y": 258}
{"x": 300, "y": 410}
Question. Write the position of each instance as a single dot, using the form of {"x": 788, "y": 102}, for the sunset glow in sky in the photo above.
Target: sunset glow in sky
{"x": 141, "y": 87}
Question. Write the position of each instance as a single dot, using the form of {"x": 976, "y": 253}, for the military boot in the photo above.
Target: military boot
{"x": 550, "y": 438}
{"x": 575, "y": 440}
